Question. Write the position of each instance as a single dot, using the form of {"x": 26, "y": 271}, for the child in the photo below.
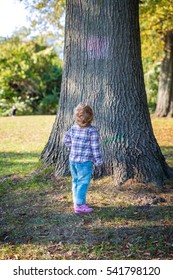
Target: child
{"x": 82, "y": 140}
{"x": 14, "y": 109}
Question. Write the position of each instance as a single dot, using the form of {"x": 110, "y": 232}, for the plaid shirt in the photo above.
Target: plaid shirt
{"x": 83, "y": 144}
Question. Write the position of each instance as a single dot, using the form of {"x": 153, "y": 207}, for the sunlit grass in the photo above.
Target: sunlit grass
{"x": 22, "y": 140}
{"x": 27, "y": 133}
{"x": 163, "y": 130}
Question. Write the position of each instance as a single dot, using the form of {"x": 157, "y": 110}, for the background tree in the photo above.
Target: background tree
{"x": 157, "y": 41}
{"x": 102, "y": 67}
{"x": 165, "y": 93}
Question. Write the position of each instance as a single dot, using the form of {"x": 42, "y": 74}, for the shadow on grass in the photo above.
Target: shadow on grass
{"x": 13, "y": 162}
{"x": 43, "y": 215}
{"x": 36, "y": 223}
{"x": 37, "y": 211}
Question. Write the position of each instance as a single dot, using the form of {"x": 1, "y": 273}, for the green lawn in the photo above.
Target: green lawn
{"x": 22, "y": 140}
{"x": 37, "y": 212}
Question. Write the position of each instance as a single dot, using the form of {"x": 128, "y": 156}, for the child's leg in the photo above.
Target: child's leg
{"x": 73, "y": 170}
{"x": 84, "y": 172}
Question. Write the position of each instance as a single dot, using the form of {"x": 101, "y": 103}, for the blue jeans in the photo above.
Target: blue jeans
{"x": 81, "y": 176}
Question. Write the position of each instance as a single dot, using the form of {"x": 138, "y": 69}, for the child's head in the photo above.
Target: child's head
{"x": 83, "y": 115}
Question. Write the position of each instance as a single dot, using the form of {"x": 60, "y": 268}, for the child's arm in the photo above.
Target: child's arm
{"x": 95, "y": 147}
{"x": 67, "y": 139}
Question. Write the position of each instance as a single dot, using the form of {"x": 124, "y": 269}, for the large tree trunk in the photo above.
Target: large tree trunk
{"x": 165, "y": 93}
{"x": 103, "y": 68}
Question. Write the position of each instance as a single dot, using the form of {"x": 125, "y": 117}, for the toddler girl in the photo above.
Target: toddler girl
{"x": 82, "y": 140}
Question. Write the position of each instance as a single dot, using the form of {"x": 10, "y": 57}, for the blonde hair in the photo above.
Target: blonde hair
{"x": 83, "y": 115}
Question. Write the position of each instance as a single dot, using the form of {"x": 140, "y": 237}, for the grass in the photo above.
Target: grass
{"x": 22, "y": 140}
{"x": 37, "y": 218}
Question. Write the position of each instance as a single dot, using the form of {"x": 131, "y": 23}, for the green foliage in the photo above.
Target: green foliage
{"x": 49, "y": 103}
{"x": 30, "y": 72}
{"x": 156, "y": 17}
{"x": 151, "y": 83}
{"x": 46, "y": 12}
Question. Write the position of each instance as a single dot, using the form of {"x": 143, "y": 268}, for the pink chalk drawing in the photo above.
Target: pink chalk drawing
{"x": 97, "y": 48}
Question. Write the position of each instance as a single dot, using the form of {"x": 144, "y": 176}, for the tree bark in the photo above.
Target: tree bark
{"x": 164, "y": 106}
{"x": 103, "y": 68}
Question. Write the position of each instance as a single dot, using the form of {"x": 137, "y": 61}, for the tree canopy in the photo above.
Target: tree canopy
{"x": 156, "y": 19}
{"x": 46, "y": 12}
